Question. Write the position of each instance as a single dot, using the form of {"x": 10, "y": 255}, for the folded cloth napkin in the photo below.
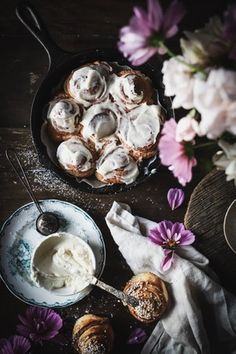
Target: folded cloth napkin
{"x": 202, "y": 315}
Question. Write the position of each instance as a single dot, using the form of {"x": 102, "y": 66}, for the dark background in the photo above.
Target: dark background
{"x": 75, "y": 25}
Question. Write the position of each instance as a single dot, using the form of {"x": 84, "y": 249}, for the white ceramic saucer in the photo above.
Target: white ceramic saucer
{"x": 230, "y": 226}
{"x": 19, "y": 237}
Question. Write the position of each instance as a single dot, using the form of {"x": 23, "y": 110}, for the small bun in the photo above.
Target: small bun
{"x": 92, "y": 335}
{"x": 153, "y": 296}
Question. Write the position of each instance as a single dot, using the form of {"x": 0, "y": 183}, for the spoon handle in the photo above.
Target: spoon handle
{"x": 127, "y": 299}
{"x": 14, "y": 160}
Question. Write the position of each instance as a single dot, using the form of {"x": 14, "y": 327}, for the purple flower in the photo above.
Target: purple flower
{"x": 175, "y": 197}
{"x": 14, "y": 345}
{"x": 39, "y": 324}
{"x": 230, "y": 28}
{"x": 137, "y": 336}
{"x": 169, "y": 236}
{"x": 147, "y": 30}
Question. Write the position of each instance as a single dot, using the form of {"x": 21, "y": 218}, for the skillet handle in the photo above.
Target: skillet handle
{"x": 32, "y": 21}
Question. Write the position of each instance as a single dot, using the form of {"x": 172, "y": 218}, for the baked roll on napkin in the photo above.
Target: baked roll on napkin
{"x": 202, "y": 315}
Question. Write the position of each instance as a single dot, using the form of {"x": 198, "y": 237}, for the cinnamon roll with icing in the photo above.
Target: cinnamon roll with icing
{"x": 115, "y": 165}
{"x": 138, "y": 131}
{"x": 89, "y": 84}
{"x": 76, "y": 158}
{"x": 63, "y": 118}
{"x": 92, "y": 335}
{"x": 131, "y": 88}
{"x": 152, "y": 294}
{"x": 99, "y": 122}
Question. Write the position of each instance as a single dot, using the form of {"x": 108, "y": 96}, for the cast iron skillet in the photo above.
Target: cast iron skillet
{"x": 61, "y": 64}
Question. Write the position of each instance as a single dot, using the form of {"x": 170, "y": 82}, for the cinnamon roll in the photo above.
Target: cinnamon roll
{"x": 115, "y": 165}
{"x": 89, "y": 84}
{"x": 63, "y": 118}
{"x": 138, "y": 131}
{"x": 76, "y": 157}
{"x": 152, "y": 294}
{"x": 99, "y": 122}
{"x": 92, "y": 335}
{"x": 131, "y": 88}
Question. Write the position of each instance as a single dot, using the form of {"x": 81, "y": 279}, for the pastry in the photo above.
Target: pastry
{"x": 152, "y": 294}
{"x": 92, "y": 335}
{"x": 138, "y": 131}
{"x": 63, "y": 118}
{"x": 131, "y": 88}
{"x": 115, "y": 165}
{"x": 99, "y": 122}
{"x": 76, "y": 157}
{"x": 89, "y": 84}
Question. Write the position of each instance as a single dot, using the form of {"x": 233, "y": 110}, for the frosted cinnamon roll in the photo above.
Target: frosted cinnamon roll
{"x": 115, "y": 165}
{"x": 152, "y": 294}
{"x": 92, "y": 335}
{"x": 63, "y": 118}
{"x": 131, "y": 88}
{"x": 75, "y": 157}
{"x": 138, "y": 131}
{"x": 89, "y": 84}
{"x": 99, "y": 122}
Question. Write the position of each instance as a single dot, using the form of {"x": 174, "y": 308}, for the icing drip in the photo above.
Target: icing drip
{"x": 115, "y": 162}
{"x": 141, "y": 126}
{"x": 64, "y": 115}
{"x": 74, "y": 152}
{"x": 89, "y": 84}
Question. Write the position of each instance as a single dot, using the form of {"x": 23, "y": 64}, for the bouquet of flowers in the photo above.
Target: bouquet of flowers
{"x": 202, "y": 80}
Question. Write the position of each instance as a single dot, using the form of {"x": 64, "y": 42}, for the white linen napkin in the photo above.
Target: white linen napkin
{"x": 202, "y": 315}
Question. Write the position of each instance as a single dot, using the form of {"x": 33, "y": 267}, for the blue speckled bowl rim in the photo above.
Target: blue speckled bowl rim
{"x": 31, "y": 301}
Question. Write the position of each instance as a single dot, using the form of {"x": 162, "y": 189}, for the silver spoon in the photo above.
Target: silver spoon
{"x": 125, "y": 298}
{"x": 47, "y": 223}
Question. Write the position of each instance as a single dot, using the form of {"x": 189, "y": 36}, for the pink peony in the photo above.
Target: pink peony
{"x": 142, "y": 38}
{"x": 177, "y": 155}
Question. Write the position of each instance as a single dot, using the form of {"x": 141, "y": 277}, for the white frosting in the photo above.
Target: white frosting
{"x": 63, "y": 260}
{"x": 64, "y": 115}
{"x": 74, "y": 152}
{"x": 123, "y": 90}
{"x": 89, "y": 84}
{"x": 115, "y": 158}
{"x": 100, "y": 121}
{"x": 141, "y": 126}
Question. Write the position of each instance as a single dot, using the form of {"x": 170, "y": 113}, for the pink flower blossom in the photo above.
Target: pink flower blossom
{"x": 187, "y": 129}
{"x": 177, "y": 155}
{"x": 14, "y": 345}
{"x": 169, "y": 236}
{"x": 39, "y": 324}
{"x": 142, "y": 38}
{"x": 175, "y": 197}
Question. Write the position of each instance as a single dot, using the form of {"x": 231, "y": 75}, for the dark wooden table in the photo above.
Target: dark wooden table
{"x": 74, "y": 25}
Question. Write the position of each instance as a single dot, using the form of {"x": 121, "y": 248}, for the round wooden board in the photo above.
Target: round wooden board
{"x": 204, "y": 216}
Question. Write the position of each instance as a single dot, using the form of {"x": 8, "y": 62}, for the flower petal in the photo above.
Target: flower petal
{"x": 187, "y": 238}
{"x": 168, "y": 260}
{"x": 155, "y": 14}
{"x": 173, "y": 16}
{"x": 175, "y": 197}
{"x": 137, "y": 336}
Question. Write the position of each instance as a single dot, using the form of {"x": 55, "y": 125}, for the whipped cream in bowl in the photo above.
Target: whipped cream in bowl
{"x": 63, "y": 263}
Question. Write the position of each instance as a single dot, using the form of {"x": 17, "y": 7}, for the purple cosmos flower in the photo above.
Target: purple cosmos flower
{"x": 39, "y": 324}
{"x": 175, "y": 197}
{"x": 144, "y": 35}
{"x": 230, "y": 28}
{"x": 14, "y": 345}
{"x": 170, "y": 235}
{"x": 137, "y": 336}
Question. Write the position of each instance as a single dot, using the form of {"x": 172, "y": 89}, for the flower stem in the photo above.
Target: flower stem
{"x": 210, "y": 143}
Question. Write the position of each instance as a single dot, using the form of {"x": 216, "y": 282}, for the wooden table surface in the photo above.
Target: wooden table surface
{"x": 74, "y": 25}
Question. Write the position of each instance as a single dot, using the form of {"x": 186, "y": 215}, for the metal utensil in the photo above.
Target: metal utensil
{"x": 47, "y": 222}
